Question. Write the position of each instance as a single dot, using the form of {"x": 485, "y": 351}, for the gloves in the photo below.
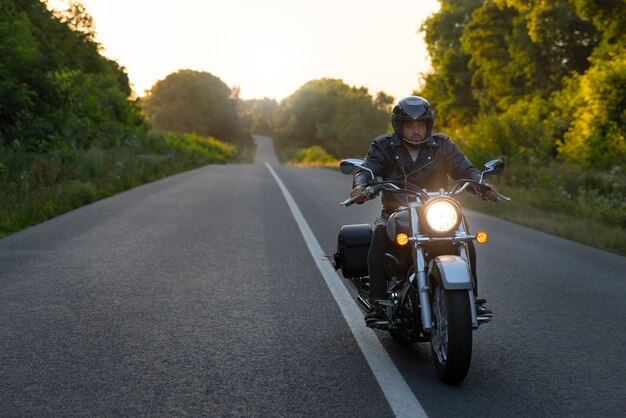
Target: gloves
{"x": 356, "y": 191}
{"x": 489, "y": 192}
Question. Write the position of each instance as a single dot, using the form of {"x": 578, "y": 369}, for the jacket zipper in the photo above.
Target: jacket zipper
{"x": 418, "y": 169}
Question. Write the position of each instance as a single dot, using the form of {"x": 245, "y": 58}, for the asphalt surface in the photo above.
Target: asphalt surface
{"x": 196, "y": 295}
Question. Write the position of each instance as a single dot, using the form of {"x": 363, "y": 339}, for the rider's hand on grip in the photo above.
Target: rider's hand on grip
{"x": 358, "y": 193}
{"x": 489, "y": 192}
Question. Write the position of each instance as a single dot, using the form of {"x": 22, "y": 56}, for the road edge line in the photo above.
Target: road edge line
{"x": 400, "y": 397}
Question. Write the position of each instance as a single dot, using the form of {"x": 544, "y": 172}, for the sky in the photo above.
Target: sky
{"x": 269, "y": 48}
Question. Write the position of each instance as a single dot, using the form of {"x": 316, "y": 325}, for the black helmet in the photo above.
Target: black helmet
{"x": 410, "y": 109}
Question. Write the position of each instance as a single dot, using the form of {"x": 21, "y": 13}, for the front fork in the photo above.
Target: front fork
{"x": 424, "y": 290}
{"x": 464, "y": 253}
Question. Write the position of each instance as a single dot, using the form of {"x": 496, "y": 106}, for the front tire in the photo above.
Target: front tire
{"x": 451, "y": 336}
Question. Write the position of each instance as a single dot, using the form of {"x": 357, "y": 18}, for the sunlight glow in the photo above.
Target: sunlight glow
{"x": 267, "y": 48}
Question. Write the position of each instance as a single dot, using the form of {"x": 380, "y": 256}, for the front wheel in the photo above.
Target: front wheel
{"x": 451, "y": 335}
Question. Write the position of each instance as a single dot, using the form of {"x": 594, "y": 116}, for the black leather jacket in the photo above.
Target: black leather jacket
{"x": 438, "y": 158}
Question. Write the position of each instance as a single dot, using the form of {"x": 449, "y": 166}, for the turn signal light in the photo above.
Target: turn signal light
{"x": 402, "y": 239}
{"x": 482, "y": 237}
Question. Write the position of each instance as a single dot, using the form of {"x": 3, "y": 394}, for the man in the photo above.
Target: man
{"x": 411, "y": 154}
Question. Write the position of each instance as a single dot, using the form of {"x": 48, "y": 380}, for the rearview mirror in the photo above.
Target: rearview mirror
{"x": 494, "y": 167}
{"x": 352, "y": 165}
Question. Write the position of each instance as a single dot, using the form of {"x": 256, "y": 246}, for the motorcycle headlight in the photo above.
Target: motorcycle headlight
{"x": 442, "y": 215}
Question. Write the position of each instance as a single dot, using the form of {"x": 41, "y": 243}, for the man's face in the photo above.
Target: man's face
{"x": 414, "y": 131}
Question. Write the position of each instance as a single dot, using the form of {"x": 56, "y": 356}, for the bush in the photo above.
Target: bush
{"x": 572, "y": 190}
{"x": 209, "y": 147}
{"x": 76, "y": 193}
{"x": 35, "y": 186}
{"x": 312, "y": 155}
{"x": 596, "y": 137}
{"x": 521, "y": 132}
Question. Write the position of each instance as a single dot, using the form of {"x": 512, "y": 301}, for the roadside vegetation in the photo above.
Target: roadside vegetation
{"x": 35, "y": 187}
{"x": 582, "y": 205}
{"x": 71, "y": 131}
{"x": 314, "y": 156}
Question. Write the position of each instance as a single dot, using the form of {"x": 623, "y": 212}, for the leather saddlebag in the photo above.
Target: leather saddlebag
{"x": 353, "y": 243}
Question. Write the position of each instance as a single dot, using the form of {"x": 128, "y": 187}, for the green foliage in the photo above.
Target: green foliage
{"x": 577, "y": 203}
{"x": 341, "y": 119}
{"x": 524, "y": 132}
{"x": 487, "y": 39}
{"x": 384, "y": 102}
{"x": 69, "y": 132}
{"x": 192, "y": 101}
{"x": 256, "y": 115}
{"x": 607, "y": 15}
{"x": 36, "y": 186}
{"x": 448, "y": 88}
{"x": 563, "y": 38}
{"x": 193, "y": 144}
{"x": 53, "y": 78}
{"x": 532, "y": 81}
{"x": 76, "y": 194}
{"x": 565, "y": 188}
{"x": 312, "y": 155}
{"x": 596, "y": 137}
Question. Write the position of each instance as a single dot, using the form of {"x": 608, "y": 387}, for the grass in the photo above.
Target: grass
{"x": 573, "y": 227}
{"x": 572, "y": 202}
{"x": 35, "y": 187}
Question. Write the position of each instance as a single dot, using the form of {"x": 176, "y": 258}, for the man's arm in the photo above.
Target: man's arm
{"x": 461, "y": 168}
{"x": 375, "y": 161}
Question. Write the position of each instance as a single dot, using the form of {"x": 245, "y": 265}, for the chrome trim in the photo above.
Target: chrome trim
{"x": 470, "y": 294}
{"x": 423, "y": 289}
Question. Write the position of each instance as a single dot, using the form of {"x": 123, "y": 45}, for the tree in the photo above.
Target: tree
{"x": 383, "y": 101}
{"x": 327, "y": 112}
{"x": 448, "y": 86}
{"x": 490, "y": 39}
{"x": 597, "y": 135}
{"x": 78, "y": 20}
{"x": 53, "y": 80}
{"x": 256, "y": 115}
{"x": 19, "y": 52}
{"x": 192, "y": 101}
{"x": 530, "y": 78}
{"x": 561, "y": 41}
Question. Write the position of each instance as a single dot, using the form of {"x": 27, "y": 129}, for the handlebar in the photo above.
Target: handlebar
{"x": 373, "y": 189}
{"x": 480, "y": 188}
{"x": 369, "y": 192}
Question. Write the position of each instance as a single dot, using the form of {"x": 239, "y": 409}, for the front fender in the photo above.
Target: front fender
{"x": 451, "y": 272}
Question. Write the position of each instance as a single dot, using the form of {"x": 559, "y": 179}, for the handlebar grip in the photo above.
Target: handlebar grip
{"x": 483, "y": 189}
{"x": 369, "y": 193}
{"x": 347, "y": 202}
{"x": 503, "y": 197}
{"x": 351, "y": 200}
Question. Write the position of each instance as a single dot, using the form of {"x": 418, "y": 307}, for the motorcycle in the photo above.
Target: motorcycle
{"x": 430, "y": 287}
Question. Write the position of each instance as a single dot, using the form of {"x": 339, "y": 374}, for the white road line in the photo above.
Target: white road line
{"x": 400, "y": 397}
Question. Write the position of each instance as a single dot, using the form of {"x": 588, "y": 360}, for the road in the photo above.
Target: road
{"x": 197, "y": 295}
